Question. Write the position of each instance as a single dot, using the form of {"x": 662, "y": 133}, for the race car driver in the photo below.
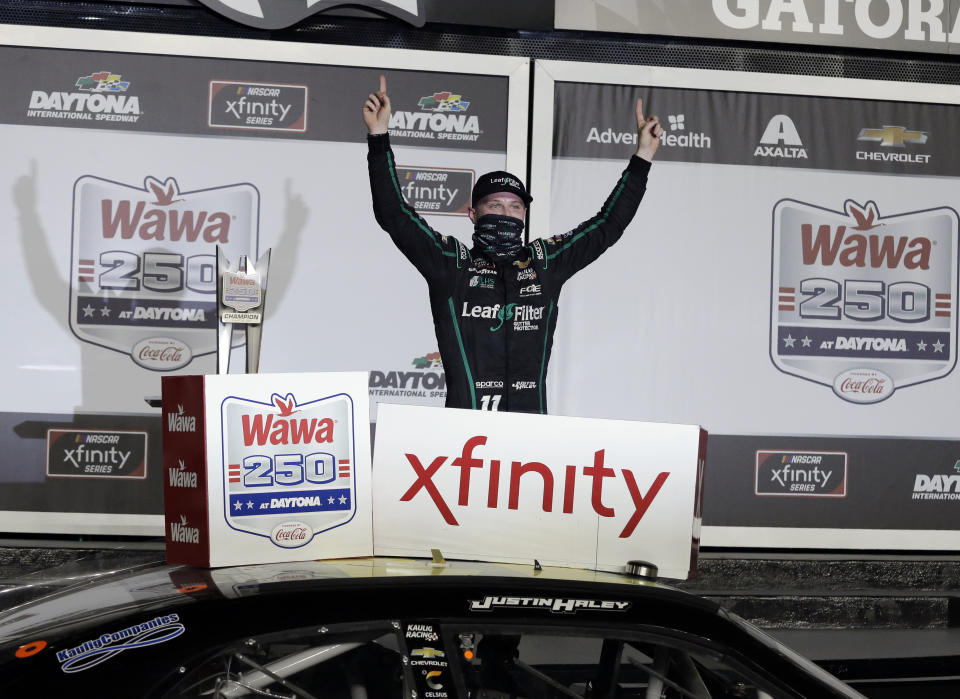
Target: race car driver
{"x": 495, "y": 305}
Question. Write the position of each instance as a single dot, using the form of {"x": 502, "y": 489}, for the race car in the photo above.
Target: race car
{"x": 388, "y": 627}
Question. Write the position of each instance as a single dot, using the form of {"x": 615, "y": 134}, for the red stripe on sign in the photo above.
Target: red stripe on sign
{"x": 784, "y": 307}
{"x": 345, "y": 472}
{"x": 786, "y": 289}
{"x": 943, "y": 304}
{"x": 943, "y": 296}
{"x": 344, "y": 461}
{"x": 234, "y": 480}
{"x": 787, "y": 299}
{"x": 85, "y": 279}
{"x": 943, "y": 314}
{"x": 88, "y": 263}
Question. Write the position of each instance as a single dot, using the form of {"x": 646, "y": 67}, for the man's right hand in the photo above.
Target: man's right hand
{"x": 376, "y": 109}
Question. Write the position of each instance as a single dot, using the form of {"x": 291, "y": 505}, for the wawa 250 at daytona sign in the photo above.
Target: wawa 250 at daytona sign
{"x": 143, "y": 270}
{"x": 863, "y": 302}
{"x": 266, "y": 467}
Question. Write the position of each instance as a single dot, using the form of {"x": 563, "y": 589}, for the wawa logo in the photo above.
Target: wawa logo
{"x": 288, "y": 466}
{"x": 143, "y": 265}
{"x": 180, "y": 477}
{"x": 860, "y": 301}
{"x": 180, "y": 421}
{"x": 182, "y": 533}
{"x": 598, "y": 475}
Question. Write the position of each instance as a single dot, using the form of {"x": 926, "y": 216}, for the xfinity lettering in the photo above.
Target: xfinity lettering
{"x": 561, "y": 498}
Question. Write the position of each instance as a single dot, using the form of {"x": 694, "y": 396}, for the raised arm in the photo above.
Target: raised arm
{"x": 570, "y": 252}
{"x": 431, "y": 253}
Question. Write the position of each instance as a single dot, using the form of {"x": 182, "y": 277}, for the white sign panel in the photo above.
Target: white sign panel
{"x": 504, "y": 487}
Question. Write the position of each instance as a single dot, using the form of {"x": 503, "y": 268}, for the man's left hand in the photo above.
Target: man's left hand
{"x": 648, "y": 133}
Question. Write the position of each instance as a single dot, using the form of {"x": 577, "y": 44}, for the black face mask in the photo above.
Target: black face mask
{"x": 499, "y": 236}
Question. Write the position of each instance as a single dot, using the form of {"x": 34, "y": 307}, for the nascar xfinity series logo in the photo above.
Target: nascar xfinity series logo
{"x": 442, "y": 116}
{"x": 100, "y": 97}
{"x": 143, "y": 272}
{"x": 288, "y": 467}
{"x": 258, "y": 106}
{"x": 862, "y": 302}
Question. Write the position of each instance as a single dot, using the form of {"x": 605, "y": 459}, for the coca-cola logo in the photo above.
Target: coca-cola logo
{"x": 291, "y": 535}
{"x": 161, "y": 354}
{"x": 863, "y": 385}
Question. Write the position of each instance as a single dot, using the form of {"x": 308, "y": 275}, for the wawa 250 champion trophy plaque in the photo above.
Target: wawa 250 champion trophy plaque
{"x": 241, "y": 298}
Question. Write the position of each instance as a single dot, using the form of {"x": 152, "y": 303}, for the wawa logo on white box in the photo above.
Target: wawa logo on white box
{"x": 288, "y": 467}
{"x": 496, "y": 485}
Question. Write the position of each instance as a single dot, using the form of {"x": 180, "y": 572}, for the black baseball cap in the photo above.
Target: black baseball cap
{"x": 498, "y": 181}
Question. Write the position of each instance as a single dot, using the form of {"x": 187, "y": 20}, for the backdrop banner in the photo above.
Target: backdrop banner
{"x": 125, "y": 169}
{"x": 789, "y": 282}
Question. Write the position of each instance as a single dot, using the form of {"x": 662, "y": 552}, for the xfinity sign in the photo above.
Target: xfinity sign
{"x": 501, "y": 487}
{"x": 903, "y": 25}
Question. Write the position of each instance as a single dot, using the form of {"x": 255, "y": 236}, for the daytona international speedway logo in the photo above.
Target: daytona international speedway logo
{"x": 862, "y": 302}
{"x": 143, "y": 268}
{"x": 288, "y": 466}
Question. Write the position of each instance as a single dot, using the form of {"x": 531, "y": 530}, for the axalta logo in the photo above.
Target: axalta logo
{"x": 285, "y": 428}
{"x": 442, "y": 117}
{"x": 938, "y": 486}
{"x": 466, "y": 462}
{"x": 179, "y": 477}
{"x": 101, "y": 98}
{"x": 154, "y": 221}
{"x": 780, "y": 140}
{"x": 180, "y": 422}
{"x": 893, "y": 137}
{"x": 182, "y": 533}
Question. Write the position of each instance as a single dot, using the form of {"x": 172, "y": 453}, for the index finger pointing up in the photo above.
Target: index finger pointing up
{"x": 383, "y": 83}
{"x": 640, "y": 118}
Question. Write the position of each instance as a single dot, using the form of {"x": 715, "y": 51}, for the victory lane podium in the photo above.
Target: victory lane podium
{"x": 268, "y": 468}
{"x": 264, "y": 468}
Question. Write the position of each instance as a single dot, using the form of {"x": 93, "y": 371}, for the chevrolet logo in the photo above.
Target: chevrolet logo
{"x": 895, "y": 136}
{"x": 428, "y": 653}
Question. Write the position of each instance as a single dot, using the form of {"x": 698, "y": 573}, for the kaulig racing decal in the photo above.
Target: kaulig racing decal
{"x": 288, "y": 466}
{"x": 861, "y": 302}
{"x": 143, "y": 268}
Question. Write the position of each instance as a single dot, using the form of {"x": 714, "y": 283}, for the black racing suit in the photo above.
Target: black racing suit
{"x": 495, "y": 319}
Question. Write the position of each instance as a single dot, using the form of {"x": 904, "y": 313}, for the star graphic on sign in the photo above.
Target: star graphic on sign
{"x": 87, "y": 311}
{"x": 806, "y": 341}
{"x": 104, "y": 311}
{"x": 249, "y": 504}
{"x": 237, "y": 505}
{"x": 330, "y": 500}
{"x": 343, "y": 499}
{"x": 788, "y": 341}
{"x": 922, "y": 346}
{"x": 938, "y": 346}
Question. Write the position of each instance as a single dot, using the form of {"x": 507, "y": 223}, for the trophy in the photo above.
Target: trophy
{"x": 241, "y": 298}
